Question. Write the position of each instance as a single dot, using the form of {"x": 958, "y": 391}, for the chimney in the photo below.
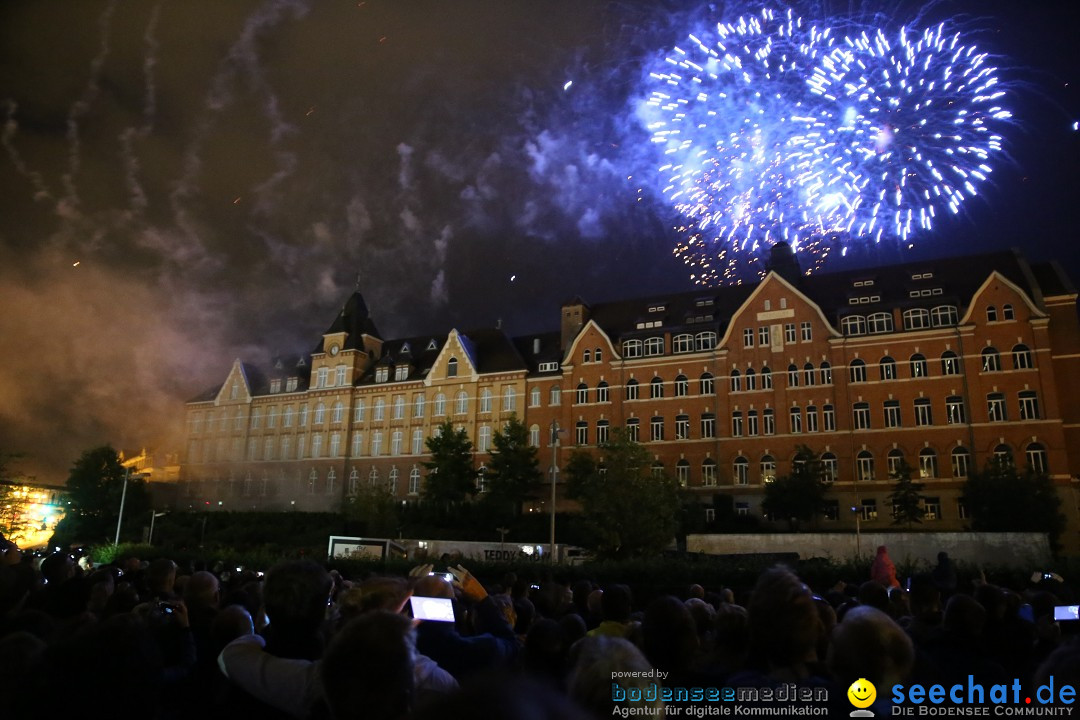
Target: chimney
{"x": 536, "y": 346}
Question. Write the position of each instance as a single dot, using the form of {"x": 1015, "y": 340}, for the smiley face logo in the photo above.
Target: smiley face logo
{"x": 862, "y": 693}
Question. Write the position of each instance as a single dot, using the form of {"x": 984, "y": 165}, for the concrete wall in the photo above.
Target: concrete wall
{"x": 1014, "y": 549}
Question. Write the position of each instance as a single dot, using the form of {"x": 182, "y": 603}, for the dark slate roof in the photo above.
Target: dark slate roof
{"x": 413, "y": 351}
{"x": 491, "y": 350}
{"x": 354, "y": 320}
{"x": 532, "y": 356}
{"x": 697, "y": 310}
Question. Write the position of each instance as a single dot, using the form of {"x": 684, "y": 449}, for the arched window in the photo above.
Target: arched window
{"x": 598, "y": 355}
{"x": 950, "y": 363}
{"x": 451, "y": 367}
{"x": 682, "y": 472}
{"x": 826, "y": 373}
{"x": 793, "y": 376}
{"x": 928, "y": 467}
{"x": 991, "y": 313}
{"x": 1036, "y": 459}
{"x": 881, "y": 322}
{"x": 440, "y": 404}
{"x": 809, "y": 376}
{"x": 632, "y": 348}
{"x": 631, "y": 389}
{"x": 320, "y": 414}
{"x": 750, "y": 379}
{"x": 582, "y": 394}
{"x": 887, "y": 367}
{"x": 587, "y": 356}
{"x": 1007, "y": 312}
{"x": 707, "y": 385}
{"x": 961, "y": 462}
{"x": 485, "y": 399}
{"x": 740, "y": 471}
{"x": 917, "y": 365}
{"x": 991, "y": 360}
{"x": 682, "y": 386}
{"x": 706, "y": 340}
{"x": 829, "y": 467}
{"x": 736, "y": 381}
{"x": 864, "y": 466}
{"x": 462, "y": 403}
{"x": 602, "y": 393}
{"x": 1003, "y": 454}
{"x": 656, "y": 388}
{"x": 853, "y": 325}
{"x": 768, "y": 468}
{"x": 1021, "y": 357}
{"x": 916, "y": 319}
{"x": 857, "y": 371}
{"x": 708, "y": 472}
{"x": 766, "y": 378}
{"x": 894, "y": 460}
{"x": 654, "y": 346}
{"x": 338, "y": 413}
{"x": 944, "y": 315}
{"x": 682, "y": 343}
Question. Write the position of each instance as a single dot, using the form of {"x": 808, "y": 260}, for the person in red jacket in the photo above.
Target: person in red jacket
{"x": 882, "y": 570}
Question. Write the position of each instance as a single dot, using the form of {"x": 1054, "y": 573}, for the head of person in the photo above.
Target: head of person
{"x": 593, "y": 662}
{"x": 296, "y": 595}
{"x": 869, "y": 644}
{"x": 161, "y": 576}
{"x": 201, "y": 590}
{"x": 367, "y": 669}
{"x": 616, "y": 603}
{"x": 784, "y": 621}
{"x": 669, "y": 634}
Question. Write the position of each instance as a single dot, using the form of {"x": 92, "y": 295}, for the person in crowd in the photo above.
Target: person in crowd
{"x": 882, "y": 569}
{"x": 944, "y": 574}
{"x": 869, "y": 644}
{"x": 615, "y": 607}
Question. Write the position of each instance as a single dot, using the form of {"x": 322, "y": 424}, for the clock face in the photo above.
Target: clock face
{"x": 333, "y": 349}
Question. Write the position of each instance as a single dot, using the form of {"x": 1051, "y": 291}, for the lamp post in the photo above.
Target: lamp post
{"x": 150, "y": 536}
{"x": 555, "y": 432}
{"x": 123, "y": 497}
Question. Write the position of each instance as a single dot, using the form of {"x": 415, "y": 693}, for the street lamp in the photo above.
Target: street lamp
{"x": 150, "y": 536}
{"x": 123, "y": 497}
{"x": 555, "y": 432}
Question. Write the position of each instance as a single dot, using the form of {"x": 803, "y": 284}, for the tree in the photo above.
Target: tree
{"x": 12, "y": 522}
{"x": 905, "y": 497}
{"x": 451, "y": 475}
{"x": 800, "y": 496}
{"x": 1003, "y": 499}
{"x": 513, "y": 473}
{"x": 375, "y": 509}
{"x": 627, "y": 509}
{"x": 95, "y": 486}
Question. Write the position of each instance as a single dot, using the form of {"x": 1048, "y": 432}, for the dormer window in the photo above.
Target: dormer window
{"x": 290, "y": 384}
{"x": 451, "y": 367}
{"x": 401, "y": 372}
{"x": 275, "y": 386}
{"x": 548, "y": 366}
{"x": 433, "y": 345}
{"x": 382, "y": 374}
{"x": 405, "y": 350}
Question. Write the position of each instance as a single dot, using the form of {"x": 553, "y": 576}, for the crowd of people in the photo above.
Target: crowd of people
{"x": 154, "y": 640}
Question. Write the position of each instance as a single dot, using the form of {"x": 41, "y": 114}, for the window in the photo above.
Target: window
{"x": 656, "y": 428}
{"x": 853, "y": 325}
{"x": 1029, "y": 405}
{"x": 892, "y": 414}
{"x": 740, "y": 471}
{"x": 706, "y": 340}
{"x": 395, "y": 443}
{"x": 1003, "y": 454}
{"x": 869, "y": 509}
{"x": 656, "y": 388}
{"x": 879, "y": 323}
{"x": 654, "y": 346}
{"x": 991, "y": 313}
{"x": 1036, "y": 459}
{"x": 944, "y": 315}
{"x": 793, "y": 376}
{"x": 582, "y": 394}
{"x": 807, "y": 332}
{"x": 555, "y": 395}
{"x": 950, "y": 364}
{"x": 864, "y": 466}
{"x": 633, "y": 429}
{"x": 829, "y": 467}
{"x": 598, "y": 355}
{"x": 602, "y": 393}
{"x": 1007, "y": 312}
{"x": 766, "y": 378}
{"x": 826, "y": 373}
{"x": 682, "y": 427}
{"x": 809, "y": 376}
{"x": 768, "y": 422}
{"x": 1021, "y": 357}
{"x": 582, "y": 433}
{"x": 931, "y": 508}
{"x": 708, "y": 425}
{"x": 857, "y": 371}
{"x": 417, "y": 441}
{"x": 682, "y": 472}
{"x": 917, "y": 365}
{"x": 509, "y": 400}
{"x": 768, "y": 468}
{"x": 603, "y": 428}
{"x": 789, "y": 333}
{"x": 991, "y": 360}
{"x": 339, "y": 380}
{"x": 928, "y": 463}
{"x": 708, "y": 472}
{"x": 588, "y": 356}
{"x": 322, "y": 377}
{"x": 923, "y": 412}
{"x": 748, "y": 337}
{"x": 485, "y": 399}
{"x": 750, "y": 379}
{"x": 682, "y": 343}
{"x": 399, "y": 407}
{"x": 887, "y": 367}
{"x": 752, "y": 422}
{"x": 631, "y": 389}
{"x": 961, "y": 510}
{"x": 706, "y": 384}
{"x": 811, "y": 418}
{"x": 316, "y": 445}
{"x": 632, "y": 348}
{"x": 301, "y": 419}
{"x": 916, "y": 319}
{"x": 376, "y": 443}
{"x": 373, "y": 476}
{"x": 451, "y": 367}
{"x": 401, "y": 372}
{"x": 861, "y": 416}
{"x": 995, "y": 407}
{"x": 736, "y": 381}
{"x": 440, "y": 405}
{"x": 320, "y": 414}
{"x": 534, "y": 398}
{"x": 954, "y": 410}
{"x": 763, "y": 336}
{"x": 657, "y": 469}
{"x": 379, "y": 411}
{"x": 795, "y": 420}
{"x": 893, "y": 461}
{"x": 736, "y": 423}
{"x": 961, "y": 462}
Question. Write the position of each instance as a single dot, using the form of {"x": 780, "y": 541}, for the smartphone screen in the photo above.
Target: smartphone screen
{"x": 1067, "y": 612}
{"x": 427, "y": 608}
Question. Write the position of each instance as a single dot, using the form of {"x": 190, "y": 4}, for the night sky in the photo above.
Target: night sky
{"x": 186, "y": 182}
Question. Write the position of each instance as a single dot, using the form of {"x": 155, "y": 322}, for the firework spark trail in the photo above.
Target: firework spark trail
{"x": 775, "y": 129}
{"x": 7, "y": 139}
{"x": 130, "y": 136}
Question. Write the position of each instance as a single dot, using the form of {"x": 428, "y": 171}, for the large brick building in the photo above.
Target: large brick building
{"x": 943, "y": 363}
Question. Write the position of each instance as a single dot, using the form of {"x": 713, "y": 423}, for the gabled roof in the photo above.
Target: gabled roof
{"x": 355, "y": 321}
